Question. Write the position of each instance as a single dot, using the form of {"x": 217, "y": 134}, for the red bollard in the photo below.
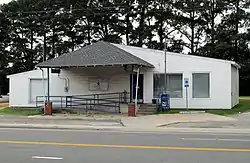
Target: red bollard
{"x": 48, "y": 108}
{"x": 131, "y": 110}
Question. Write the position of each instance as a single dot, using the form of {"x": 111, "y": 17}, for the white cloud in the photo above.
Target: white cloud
{"x": 4, "y": 1}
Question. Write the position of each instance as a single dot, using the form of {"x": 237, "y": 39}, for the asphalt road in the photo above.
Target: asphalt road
{"x": 64, "y": 146}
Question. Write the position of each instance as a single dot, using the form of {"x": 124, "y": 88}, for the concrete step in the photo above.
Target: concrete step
{"x": 150, "y": 109}
{"x": 147, "y": 109}
{"x": 148, "y": 105}
{"x": 141, "y": 110}
{"x": 145, "y": 113}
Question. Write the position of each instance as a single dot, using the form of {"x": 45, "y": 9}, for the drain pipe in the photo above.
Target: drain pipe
{"x": 66, "y": 87}
{"x": 44, "y": 98}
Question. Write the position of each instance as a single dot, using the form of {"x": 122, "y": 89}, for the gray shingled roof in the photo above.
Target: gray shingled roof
{"x": 98, "y": 54}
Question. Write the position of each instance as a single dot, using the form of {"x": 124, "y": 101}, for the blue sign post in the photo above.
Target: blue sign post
{"x": 186, "y": 85}
{"x": 165, "y": 102}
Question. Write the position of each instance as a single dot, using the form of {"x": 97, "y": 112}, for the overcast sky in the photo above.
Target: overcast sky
{"x": 4, "y": 1}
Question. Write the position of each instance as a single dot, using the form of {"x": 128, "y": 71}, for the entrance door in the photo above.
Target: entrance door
{"x": 140, "y": 87}
{"x": 36, "y": 89}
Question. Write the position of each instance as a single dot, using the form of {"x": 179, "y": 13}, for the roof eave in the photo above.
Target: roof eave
{"x": 235, "y": 64}
{"x": 94, "y": 65}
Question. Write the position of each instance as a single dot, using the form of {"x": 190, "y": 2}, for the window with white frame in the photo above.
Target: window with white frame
{"x": 174, "y": 85}
{"x": 201, "y": 85}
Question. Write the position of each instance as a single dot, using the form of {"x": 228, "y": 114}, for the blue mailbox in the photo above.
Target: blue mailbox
{"x": 165, "y": 101}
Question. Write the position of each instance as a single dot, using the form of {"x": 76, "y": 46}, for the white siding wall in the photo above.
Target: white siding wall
{"x": 220, "y": 76}
{"x": 20, "y": 88}
{"x": 234, "y": 86}
{"x": 78, "y": 80}
{"x": 78, "y": 83}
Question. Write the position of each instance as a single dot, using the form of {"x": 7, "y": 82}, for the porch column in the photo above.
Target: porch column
{"x": 132, "y": 85}
{"x": 48, "y": 98}
{"x": 136, "y": 88}
{"x": 48, "y": 104}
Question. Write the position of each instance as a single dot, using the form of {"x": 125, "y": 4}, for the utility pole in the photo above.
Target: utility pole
{"x": 236, "y": 30}
{"x": 44, "y": 41}
{"x": 44, "y": 46}
{"x": 165, "y": 64}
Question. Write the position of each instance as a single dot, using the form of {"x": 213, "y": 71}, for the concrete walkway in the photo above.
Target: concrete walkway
{"x": 108, "y": 121}
{"x": 168, "y": 119}
{"x": 157, "y": 120}
{"x": 83, "y": 117}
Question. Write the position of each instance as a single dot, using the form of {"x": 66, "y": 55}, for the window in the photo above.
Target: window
{"x": 174, "y": 85}
{"x": 201, "y": 85}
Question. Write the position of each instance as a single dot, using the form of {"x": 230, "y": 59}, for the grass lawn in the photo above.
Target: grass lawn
{"x": 20, "y": 111}
{"x": 243, "y": 106}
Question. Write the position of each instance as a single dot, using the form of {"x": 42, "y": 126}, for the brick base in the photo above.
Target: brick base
{"x": 48, "y": 108}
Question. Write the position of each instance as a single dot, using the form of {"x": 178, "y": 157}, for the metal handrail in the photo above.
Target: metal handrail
{"x": 90, "y": 100}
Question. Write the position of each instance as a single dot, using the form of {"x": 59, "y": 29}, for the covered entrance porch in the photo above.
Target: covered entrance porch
{"x": 100, "y": 68}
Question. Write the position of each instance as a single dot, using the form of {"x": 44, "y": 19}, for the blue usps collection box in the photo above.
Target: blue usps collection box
{"x": 165, "y": 101}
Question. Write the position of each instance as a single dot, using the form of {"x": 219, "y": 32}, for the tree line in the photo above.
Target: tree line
{"x": 211, "y": 28}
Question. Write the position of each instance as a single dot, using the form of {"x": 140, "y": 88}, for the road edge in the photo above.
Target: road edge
{"x": 128, "y": 129}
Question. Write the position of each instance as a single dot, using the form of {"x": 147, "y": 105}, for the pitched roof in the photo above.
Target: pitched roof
{"x": 98, "y": 54}
{"x": 143, "y": 51}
